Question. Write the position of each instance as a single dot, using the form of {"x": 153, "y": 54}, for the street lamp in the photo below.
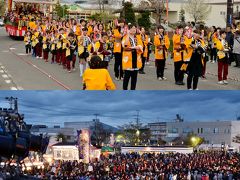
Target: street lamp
{"x": 137, "y": 134}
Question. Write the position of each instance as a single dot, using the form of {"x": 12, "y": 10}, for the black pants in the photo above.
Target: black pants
{"x": 127, "y": 75}
{"x": 143, "y": 64}
{"x": 237, "y": 59}
{"x": 28, "y": 48}
{"x": 118, "y": 65}
{"x": 178, "y": 74}
{"x": 213, "y": 54}
{"x": 160, "y": 65}
{"x": 192, "y": 80}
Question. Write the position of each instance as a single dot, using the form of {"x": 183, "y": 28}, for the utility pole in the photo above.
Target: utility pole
{"x": 96, "y": 127}
{"x": 137, "y": 119}
{"x": 229, "y": 12}
{"x": 100, "y": 5}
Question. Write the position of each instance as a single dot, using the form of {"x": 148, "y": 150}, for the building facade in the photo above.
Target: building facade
{"x": 213, "y": 132}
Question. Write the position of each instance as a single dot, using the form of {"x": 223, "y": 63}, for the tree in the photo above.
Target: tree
{"x": 198, "y": 10}
{"x": 135, "y": 134}
{"x": 128, "y": 13}
{"x": 99, "y": 135}
{"x": 2, "y": 7}
{"x": 155, "y": 6}
{"x": 61, "y": 11}
{"x": 182, "y": 16}
{"x": 193, "y": 140}
{"x": 161, "y": 141}
{"x": 61, "y": 137}
{"x": 103, "y": 17}
{"x": 144, "y": 21}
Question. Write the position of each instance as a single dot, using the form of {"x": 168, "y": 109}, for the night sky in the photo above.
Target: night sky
{"x": 120, "y": 107}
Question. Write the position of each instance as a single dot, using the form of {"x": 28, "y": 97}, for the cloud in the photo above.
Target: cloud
{"x": 120, "y": 107}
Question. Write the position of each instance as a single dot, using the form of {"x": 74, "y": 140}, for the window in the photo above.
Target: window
{"x": 200, "y": 130}
{"x": 207, "y": 130}
{"x": 223, "y": 13}
{"x": 215, "y": 130}
{"x": 173, "y": 130}
{"x": 226, "y": 131}
{"x": 187, "y": 130}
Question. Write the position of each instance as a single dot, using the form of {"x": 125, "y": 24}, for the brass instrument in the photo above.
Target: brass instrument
{"x": 182, "y": 43}
{"x": 162, "y": 40}
{"x": 226, "y": 46}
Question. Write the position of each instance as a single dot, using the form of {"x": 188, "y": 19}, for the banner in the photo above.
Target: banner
{"x": 84, "y": 144}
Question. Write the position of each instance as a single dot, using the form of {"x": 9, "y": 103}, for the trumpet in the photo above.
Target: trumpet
{"x": 199, "y": 47}
{"x": 182, "y": 43}
{"x": 226, "y": 46}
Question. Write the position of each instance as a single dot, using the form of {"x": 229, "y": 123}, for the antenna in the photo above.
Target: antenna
{"x": 137, "y": 119}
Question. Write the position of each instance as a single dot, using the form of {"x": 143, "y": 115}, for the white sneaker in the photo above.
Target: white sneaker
{"x": 220, "y": 82}
{"x": 117, "y": 79}
{"x": 160, "y": 79}
{"x": 190, "y": 89}
{"x": 225, "y": 82}
{"x": 164, "y": 78}
{"x": 37, "y": 57}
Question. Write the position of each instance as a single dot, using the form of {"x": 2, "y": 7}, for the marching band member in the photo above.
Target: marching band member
{"x": 28, "y": 42}
{"x": 131, "y": 60}
{"x": 83, "y": 50}
{"x": 117, "y": 50}
{"x": 71, "y": 48}
{"x": 45, "y": 46}
{"x": 64, "y": 47}
{"x": 145, "y": 41}
{"x": 53, "y": 43}
{"x": 34, "y": 43}
{"x": 38, "y": 34}
{"x": 59, "y": 46}
{"x": 179, "y": 48}
{"x": 195, "y": 65}
{"x": 105, "y": 49}
{"x": 205, "y": 55}
{"x": 97, "y": 77}
{"x": 223, "y": 55}
{"x": 161, "y": 43}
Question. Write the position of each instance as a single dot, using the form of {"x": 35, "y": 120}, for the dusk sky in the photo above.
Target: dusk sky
{"x": 118, "y": 108}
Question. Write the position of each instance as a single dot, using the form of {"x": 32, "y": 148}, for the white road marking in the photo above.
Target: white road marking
{"x": 4, "y": 51}
{"x": 21, "y": 54}
{"x": 13, "y": 88}
{"x": 12, "y": 48}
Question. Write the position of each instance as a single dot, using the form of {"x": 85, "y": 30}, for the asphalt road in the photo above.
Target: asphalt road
{"x": 21, "y": 72}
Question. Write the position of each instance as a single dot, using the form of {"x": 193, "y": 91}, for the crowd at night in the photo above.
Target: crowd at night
{"x": 196, "y": 166}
